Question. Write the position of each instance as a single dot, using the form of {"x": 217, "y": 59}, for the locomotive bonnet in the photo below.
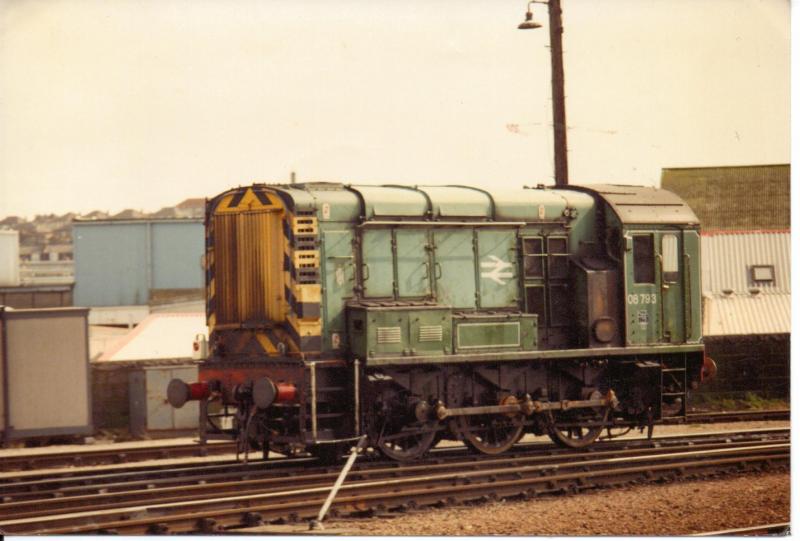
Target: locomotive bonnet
{"x": 415, "y": 314}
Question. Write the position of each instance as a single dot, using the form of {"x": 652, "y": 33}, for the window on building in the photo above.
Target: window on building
{"x": 643, "y": 259}
{"x": 762, "y": 274}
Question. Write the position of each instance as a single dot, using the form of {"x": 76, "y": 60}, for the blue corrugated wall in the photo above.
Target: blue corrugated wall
{"x": 118, "y": 264}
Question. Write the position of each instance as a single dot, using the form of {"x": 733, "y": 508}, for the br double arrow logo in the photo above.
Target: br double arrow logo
{"x": 496, "y": 269}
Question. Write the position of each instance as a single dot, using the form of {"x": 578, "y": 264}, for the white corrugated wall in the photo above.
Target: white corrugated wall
{"x": 734, "y": 304}
{"x": 9, "y": 258}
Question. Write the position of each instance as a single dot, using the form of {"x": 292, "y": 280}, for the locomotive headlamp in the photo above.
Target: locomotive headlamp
{"x": 604, "y": 329}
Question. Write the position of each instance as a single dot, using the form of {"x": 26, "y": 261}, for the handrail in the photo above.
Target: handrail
{"x": 422, "y": 223}
{"x": 661, "y": 290}
{"x": 687, "y": 319}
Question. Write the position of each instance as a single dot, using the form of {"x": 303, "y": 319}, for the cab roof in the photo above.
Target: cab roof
{"x": 642, "y": 204}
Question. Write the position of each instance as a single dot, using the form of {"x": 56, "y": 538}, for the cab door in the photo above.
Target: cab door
{"x": 654, "y": 285}
{"x": 671, "y": 280}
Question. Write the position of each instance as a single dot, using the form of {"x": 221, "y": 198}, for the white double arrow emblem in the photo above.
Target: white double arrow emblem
{"x": 497, "y": 270}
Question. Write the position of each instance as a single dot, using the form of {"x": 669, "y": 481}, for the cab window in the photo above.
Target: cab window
{"x": 643, "y": 259}
{"x": 669, "y": 253}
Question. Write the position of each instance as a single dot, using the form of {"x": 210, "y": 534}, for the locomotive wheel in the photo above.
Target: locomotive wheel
{"x": 409, "y": 443}
{"x": 568, "y": 432}
{"x": 489, "y": 434}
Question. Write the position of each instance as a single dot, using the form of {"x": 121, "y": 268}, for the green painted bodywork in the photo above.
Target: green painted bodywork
{"x": 540, "y": 355}
{"x": 338, "y": 280}
{"x": 692, "y": 302}
{"x": 461, "y": 248}
{"x": 381, "y": 331}
{"x": 389, "y": 330}
{"x": 666, "y": 311}
{"x": 510, "y": 332}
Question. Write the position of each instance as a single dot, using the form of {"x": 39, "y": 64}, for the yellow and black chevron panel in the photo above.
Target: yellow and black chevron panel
{"x": 211, "y": 316}
{"x": 263, "y": 273}
{"x": 244, "y": 199}
{"x": 305, "y": 300}
{"x": 250, "y": 342}
{"x": 306, "y": 334}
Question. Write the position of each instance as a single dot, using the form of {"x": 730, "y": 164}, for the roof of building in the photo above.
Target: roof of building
{"x": 752, "y": 315}
{"x": 144, "y": 220}
{"x": 746, "y": 282}
{"x": 160, "y": 336}
{"x": 734, "y": 198}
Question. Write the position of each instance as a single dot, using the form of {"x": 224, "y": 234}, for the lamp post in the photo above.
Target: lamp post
{"x": 557, "y": 70}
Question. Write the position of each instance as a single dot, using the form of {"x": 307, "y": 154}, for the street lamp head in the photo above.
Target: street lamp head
{"x": 529, "y": 23}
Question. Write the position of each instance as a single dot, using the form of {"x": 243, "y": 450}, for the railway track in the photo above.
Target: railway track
{"x": 120, "y": 455}
{"x": 169, "y": 503}
{"x": 733, "y": 416}
{"x": 780, "y": 528}
{"x": 124, "y": 455}
{"x": 46, "y": 481}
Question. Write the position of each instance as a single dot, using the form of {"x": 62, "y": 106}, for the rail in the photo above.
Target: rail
{"x": 456, "y": 477}
{"x": 780, "y": 528}
{"x": 129, "y": 454}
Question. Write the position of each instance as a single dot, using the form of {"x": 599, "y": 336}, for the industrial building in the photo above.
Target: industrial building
{"x": 137, "y": 262}
{"x": 31, "y": 284}
{"x": 129, "y": 380}
{"x": 744, "y": 212}
{"x": 747, "y": 309}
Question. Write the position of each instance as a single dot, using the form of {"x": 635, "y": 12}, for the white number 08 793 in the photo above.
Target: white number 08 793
{"x": 642, "y": 298}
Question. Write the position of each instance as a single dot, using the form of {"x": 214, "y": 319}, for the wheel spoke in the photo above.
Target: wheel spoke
{"x": 398, "y": 446}
{"x": 564, "y": 432}
{"x": 488, "y": 434}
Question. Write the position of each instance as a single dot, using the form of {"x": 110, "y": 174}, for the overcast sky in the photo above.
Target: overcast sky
{"x": 114, "y": 104}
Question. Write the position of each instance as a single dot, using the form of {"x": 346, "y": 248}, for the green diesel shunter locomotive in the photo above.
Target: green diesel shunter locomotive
{"x": 415, "y": 314}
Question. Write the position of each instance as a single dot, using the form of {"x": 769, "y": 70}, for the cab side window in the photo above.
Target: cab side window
{"x": 644, "y": 267}
{"x": 669, "y": 253}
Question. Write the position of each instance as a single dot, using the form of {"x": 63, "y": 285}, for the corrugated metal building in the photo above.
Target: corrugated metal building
{"x": 744, "y": 213}
{"x": 734, "y": 198}
{"x": 747, "y": 307}
{"x": 746, "y": 281}
{"x": 137, "y": 262}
